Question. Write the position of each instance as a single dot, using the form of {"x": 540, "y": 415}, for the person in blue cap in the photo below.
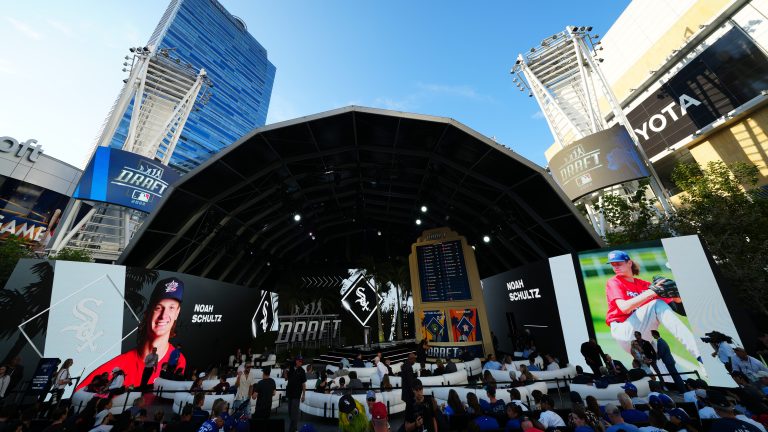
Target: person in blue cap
{"x": 153, "y": 335}
{"x": 633, "y": 306}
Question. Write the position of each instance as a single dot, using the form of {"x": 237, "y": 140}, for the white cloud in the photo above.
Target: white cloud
{"x": 60, "y": 26}
{"x": 24, "y": 28}
{"x": 538, "y": 115}
{"x": 393, "y": 104}
{"x": 455, "y": 90}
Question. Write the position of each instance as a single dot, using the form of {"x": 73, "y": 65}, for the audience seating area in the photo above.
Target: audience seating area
{"x": 608, "y": 394}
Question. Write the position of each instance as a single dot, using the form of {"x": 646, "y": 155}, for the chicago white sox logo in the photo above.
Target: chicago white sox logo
{"x": 361, "y": 300}
{"x": 86, "y": 332}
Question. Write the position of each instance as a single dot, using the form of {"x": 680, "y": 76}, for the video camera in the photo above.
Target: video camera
{"x": 716, "y": 337}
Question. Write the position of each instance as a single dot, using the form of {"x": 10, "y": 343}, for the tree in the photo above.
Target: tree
{"x": 633, "y": 219}
{"x": 722, "y": 205}
{"x": 69, "y": 254}
{"x": 12, "y": 249}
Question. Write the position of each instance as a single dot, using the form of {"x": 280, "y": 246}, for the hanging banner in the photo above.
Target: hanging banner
{"x": 464, "y": 325}
{"x": 433, "y": 326}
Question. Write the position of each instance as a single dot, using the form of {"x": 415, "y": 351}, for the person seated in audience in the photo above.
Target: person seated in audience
{"x": 321, "y": 385}
{"x": 527, "y": 426}
{"x": 656, "y": 403}
{"x": 199, "y": 415}
{"x": 310, "y": 372}
{"x": 388, "y": 364}
{"x": 705, "y": 411}
{"x": 222, "y": 387}
{"x": 515, "y": 398}
{"x": 197, "y": 385}
{"x": 547, "y": 417}
{"x": 454, "y": 405}
{"x": 385, "y": 384}
{"x": 424, "y": 372}
{"x": 536, "y": 395}
{"x": 690, "y": 390}
{"x": 582, "y": 420}
{"x": 582, "y": 377}
{"x": 628, "y": 411}
{"x": 638, "y": 371}
{"x": 551, "y": 363}
{"x": 344, "y": 363}
{"x": 358, "y": 361}
{"x": 486, "y": 423}
{"x": 681, "y": 421}
{"x": 99, "y": 383}
{"x": 750, "y": 396}
{"x": 165, "y": 373}
{"x": 496, "y": 407}
{"x": 617, "y": 421}
{"x": 615, "y": 367}
{"x": 657, "y": 422}
{"x": 488, "y": 378}
{"x": 340, "y": 389}
{"x": 450, "y": 367}
{"x": 631, "y": 391}
{"x": 525, "y": 377}
{"x": 439, "y": 368}
{"x": 355, "y": 384}
{"x": 507, "y": 363}
{"x": 491, "y": 363}
{"x": 473, "y": 405}
{"x": 532, "y": 366}
{"x": 514, "y": 415}
{"x": 727, "y": 418}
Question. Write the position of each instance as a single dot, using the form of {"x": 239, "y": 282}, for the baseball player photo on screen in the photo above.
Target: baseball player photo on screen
{"x": 656, "y": 305}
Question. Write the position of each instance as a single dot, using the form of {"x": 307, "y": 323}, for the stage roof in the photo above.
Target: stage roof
{"x": 358, "y": 177}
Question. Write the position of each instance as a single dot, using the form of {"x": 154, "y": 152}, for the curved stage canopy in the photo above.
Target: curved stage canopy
{"x": 358, "y": 177}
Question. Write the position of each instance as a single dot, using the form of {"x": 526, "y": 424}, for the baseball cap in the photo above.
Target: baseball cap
{"x": 666, "y": 400}
{"x": 370, "y": 395}
{"x": 629, "y": 386}
{"x": 346, "y": 404}
{"x": 169, "y": 288}
{"x": 379, "y": 411}
{"x": 680, "y": 414}
{"x": 617, "y": 256}
{"x": 654, "y": 400}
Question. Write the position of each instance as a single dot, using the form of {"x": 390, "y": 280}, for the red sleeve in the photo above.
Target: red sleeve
{"x": 614, "y": 291}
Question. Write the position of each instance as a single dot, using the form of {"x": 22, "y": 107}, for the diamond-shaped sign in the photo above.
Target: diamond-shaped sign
{"x": 265, "y": 318}
{"x": 435, "y": 328}
{"x": 361, "y": 300}
{"x": 465, "y": 328}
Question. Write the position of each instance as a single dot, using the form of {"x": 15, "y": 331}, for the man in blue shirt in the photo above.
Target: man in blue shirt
{"x": 212, "y": 425}
{"x": 491, "y": 363}
{"x": 495, "y": 406}
{"x": 665, "y": 354}
{"x": 617, "y": 422}
{"x": 532, "y": 366}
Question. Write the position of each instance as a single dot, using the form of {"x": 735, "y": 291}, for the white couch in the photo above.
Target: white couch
{"x": 473, "y": 367}
{"x": 327, "y": 405}
{"x": 364, "y": 374}
{"x": 608, "y": 394}
{"x": 562, "y": 374}
{"x": 119, "y": 403}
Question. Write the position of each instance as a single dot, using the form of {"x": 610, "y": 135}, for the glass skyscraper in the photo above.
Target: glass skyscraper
{"x": 204, "y": 34}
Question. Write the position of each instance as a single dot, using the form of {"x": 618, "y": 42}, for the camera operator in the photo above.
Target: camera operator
{"x": 722, "y": 346}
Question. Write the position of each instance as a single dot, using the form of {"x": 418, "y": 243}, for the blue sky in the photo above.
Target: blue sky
{"x": 60, "y": 67}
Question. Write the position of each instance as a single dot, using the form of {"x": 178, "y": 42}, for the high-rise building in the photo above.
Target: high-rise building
{"x": 205, "y": 35}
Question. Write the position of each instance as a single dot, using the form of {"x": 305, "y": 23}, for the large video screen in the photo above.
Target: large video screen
{"x": 617, "y": 286}
{"x": 443, "y": 272}
{"x": 108, "y": 316}
{"x": 126, "y": 179}
{"x": 28, "y": 211}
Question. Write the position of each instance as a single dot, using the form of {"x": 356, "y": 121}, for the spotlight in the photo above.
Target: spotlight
{"x": 423, "y": 209}
{"x": 297, "y": 217}
{"x": 589, "y": 29}
{"x": 378, "y": 233}
{"x": 132, "y": 49}
{"x": 486, "y": 239}
{"x": 418, "y": 221}
{"x": 125, "y": 81}
{"x": 473, "y": 247}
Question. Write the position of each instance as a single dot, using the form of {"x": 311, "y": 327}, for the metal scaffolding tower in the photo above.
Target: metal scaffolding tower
{"x": 564, "y": 76}
{"x": 161, "y": 91}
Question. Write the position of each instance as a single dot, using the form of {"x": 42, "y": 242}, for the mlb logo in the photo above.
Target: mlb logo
{"x": 584, "y": 180}
{"x": 140, "y": 196}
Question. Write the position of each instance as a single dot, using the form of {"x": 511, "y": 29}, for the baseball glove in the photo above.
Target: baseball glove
{"x": 664, "y": 288}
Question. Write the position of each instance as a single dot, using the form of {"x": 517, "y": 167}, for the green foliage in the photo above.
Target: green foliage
{"x": 12, "y": 249}
{"x": 721, "y": 204}
{"x": 68, "y": 254}
{"x": 634, "y": 220}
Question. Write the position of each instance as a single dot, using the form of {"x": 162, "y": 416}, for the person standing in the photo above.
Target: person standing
{"x": 244, "y": 386}
{"x": 593, "y": 355}
{"x": 150, "y": 363}
{"x": 264, "y": 392}
{"x": 665, "y": 355}
{"x": 407, "y": 378}
{"x": 5, "y": 379}
{"x": 421, "y": 353}
{"x": 62, "y": 380}
{"x": 173, "y": 359}
{"x": 295, "y": 390}
{"x": 649, "y": 352}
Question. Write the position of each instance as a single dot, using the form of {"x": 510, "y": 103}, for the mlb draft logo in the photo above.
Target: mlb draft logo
{"x": 141, "y": 196}
{"x": 584, "y": 180}
{"x": 171, "y": 286}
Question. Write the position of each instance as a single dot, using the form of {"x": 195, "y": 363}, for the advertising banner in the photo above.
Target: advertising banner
{"x": 41, "y": 379}
{"x": 465, "y": 325}
{"x": 597, "y": 161}
{"x": 621, "y": 302}
{"x": 521, "y": 305}
{"x": 28, "y": 211}
{"x": 124, "y": 178}
{"x": 433, "y": 326}
{"x": 725, "y": 75}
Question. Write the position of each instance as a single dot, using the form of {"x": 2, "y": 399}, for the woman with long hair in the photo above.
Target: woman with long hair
{"x": 454, "y": 406}
{"x": 156, "y": 328}
{"x": 61, "y": 381}
{"x": 473, "y": 405}
{"x": 385, "y": 384}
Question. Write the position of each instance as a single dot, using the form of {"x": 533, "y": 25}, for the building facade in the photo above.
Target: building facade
{"x": 34, "y": 190}
{"x": 205, "y": 35}
{"x": 692, "y": 79}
